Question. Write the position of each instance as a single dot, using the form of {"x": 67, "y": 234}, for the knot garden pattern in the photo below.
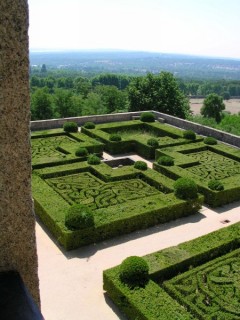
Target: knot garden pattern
{"x": 86, "y": 189}
{"x": 212, "y": 290}
{"x": 47, "y": 147}
{"x": 213, "y": 165}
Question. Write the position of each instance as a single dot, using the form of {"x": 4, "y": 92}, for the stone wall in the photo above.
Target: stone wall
{"x": 183, "y": 124}
{"x": 17, "y": 223}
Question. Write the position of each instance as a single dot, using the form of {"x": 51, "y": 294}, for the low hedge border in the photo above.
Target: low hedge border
{"x": 113, "y": 220}
{"x": 213, "y": 198}
{"x": 153, "y": 302}
{"x": 67, "y": 149}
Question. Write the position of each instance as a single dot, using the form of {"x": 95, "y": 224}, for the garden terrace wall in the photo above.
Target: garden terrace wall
{"x": 184, "y": 124}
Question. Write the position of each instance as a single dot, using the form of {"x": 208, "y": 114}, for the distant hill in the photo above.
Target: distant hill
{"x": 139, "y": 63}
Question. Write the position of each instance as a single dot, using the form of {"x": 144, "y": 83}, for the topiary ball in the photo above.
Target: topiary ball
{"x": 165, "y": 161}
{"x": 93, "y": 159}
{"x": 134, "y": 271}
{"x": 78, "y": 217}
{"x": 81, "y": 152}
{"x": 215, "y": 185}
{"x": 70, "y": 127}
{"x": 89, "y": 125}
{"x": 189, "y": 134}
{"x": 115, "y": 137}
{"x": 152, "y": 142}
{"x": 140, "y": 165}
{"x": 185, "y": 188}
{"x": 210, "y": 141}
{"x": 147, "y": 117}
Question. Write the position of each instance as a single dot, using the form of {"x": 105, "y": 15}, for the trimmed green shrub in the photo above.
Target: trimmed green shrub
{"x": 189, "y": 134}
{"x": 140, "y": 165}
{"x": 89, "y": 125}
{"x": 70, "y": 127}
{"x": 81, "y": 152}
{"x": 165, "y": 161}
{"x": 185, "y": 188}
{"x": 210, "y": 141}
{"x": 93, "y": 159}
{"x": 79, "y": 217}
{"x": 152, "y": 142}
{"x": 215, "y": 185}
{"x": 115, "y": 137}
{"x": 134, "y": 271}
{"x": 147, "y": 117}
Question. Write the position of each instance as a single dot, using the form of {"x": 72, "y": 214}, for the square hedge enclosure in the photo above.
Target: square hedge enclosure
{"x": 124, "y": 199}
{"x": 198, "y": 279}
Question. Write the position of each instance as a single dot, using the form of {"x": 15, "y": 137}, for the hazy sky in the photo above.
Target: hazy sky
{"x": 199, "y": 27}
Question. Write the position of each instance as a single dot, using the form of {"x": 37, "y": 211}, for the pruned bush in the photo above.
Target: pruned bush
{"x": 93, "y": 159}
{"x": 215, "y": 185}
{"x": 189, "y": 134}
{"x": 79, "y": 217}
{"x": 89, "y": 125}
{"x": 140, "y": 165}
{"x": 210, "y": 141}
{"x": 147, "y": 117}
{"x": 81, "y": 152}
{"x": 165, "y": 161}
{"x": 134, "y": 271}
{"x": 115, "y": 137}
{"x": 152, "y": 142}
{"x": 70, "y": 127}
{"x": 186, "y": 189}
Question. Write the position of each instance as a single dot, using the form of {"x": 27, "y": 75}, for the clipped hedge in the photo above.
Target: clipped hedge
{"x": 70, "y": 127}
{"x": 153, "y": 301}
{"x": 147, "y": 117}
{"x": 79, "y": 217}
{"x": 140, "y": 165}
{"x": 134, "y": 271}
{"x": 189, "y": 134}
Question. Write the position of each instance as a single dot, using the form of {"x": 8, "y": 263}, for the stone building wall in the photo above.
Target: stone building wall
{"x": 17, "y": 223}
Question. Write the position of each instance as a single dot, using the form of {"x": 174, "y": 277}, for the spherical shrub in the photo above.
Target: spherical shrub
{"x": 70, "y": 127}
{"x": 134, "y": 271}
{"x": 185, "y": 188}
{"x": 140, "y": 165}
{"x": 115, "y": 137}
{"x": 147, "y": 117}
{"x": 81, "y": 152}
{"x": 89, "y": 125}
{"x": 210, "y": 141}
{"x": 215, "y": 185}
{"x": 189, "y": 134}
{"x": 152, "y": 142}
{"x": 165, "y": 161}
{"x": 78, "y": 217}
{"x": 93, "y": 159}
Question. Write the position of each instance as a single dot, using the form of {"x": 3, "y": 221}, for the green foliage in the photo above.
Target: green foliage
{"x": 213, "y": 106}
{"x": 79, "y": 217}
{"x": 70, "y": 127}
{"x": 41, "y": 105}
{"x": 165, "y": 161}
{"x": 134, "y": 271}
{"x": 147, "y": 117}
{"x": 185, "y": 188}
{"x": 140, "y": 165}
{"x": 215, "y": 185}
{"x": 115, "y": 137}
{"x": 210, "y": 141}
{"x": 152, "y": 142}
{"x": 158, "y": 92}
{"x": 81, "y": 152}
{"x": 189, "y": 134}
{"x": 89, "y": 125}
{"x": 93, "y": 159}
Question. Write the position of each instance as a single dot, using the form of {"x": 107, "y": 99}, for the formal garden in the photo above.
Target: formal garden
{"x": 82, "y": 198}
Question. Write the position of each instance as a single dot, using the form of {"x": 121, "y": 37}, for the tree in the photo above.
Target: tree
{"x": 158, "y": 92}
{"x": 212, "y": 107}
{"x": 43, "y": 68}
{"x": 41, "y": 105}
{"x": 114, "y": 99}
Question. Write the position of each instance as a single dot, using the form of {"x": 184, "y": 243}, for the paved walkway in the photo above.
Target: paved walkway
{"x": 71, "y": 282}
